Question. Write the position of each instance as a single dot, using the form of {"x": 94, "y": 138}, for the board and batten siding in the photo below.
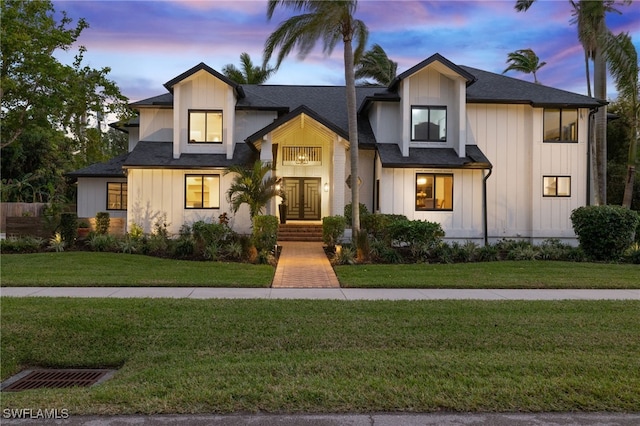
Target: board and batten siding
{"x": 202, "y": 91}
{"x": 92, "y": 197}
{"x": 156, "y": 125}
{"x": 511, "y": 138}
{"x": 159, "y": 194}
{"x": 464, "y": 222}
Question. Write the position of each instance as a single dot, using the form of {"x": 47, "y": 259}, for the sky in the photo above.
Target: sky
{"x": 147, "y": 43}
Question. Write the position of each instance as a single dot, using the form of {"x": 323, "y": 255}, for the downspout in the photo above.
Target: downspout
{"x": 592, "y": 114}
{"x": 375, "y": 179}
{"x": 484, "y": 207}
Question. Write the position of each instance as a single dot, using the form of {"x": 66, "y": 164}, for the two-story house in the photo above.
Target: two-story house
{"x": 486, "y": 156}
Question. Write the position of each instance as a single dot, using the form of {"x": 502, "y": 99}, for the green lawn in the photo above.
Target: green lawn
{"x": 215, "y": 356}
{"x": 114, "y": 269}
{"x": 503, "y": 274}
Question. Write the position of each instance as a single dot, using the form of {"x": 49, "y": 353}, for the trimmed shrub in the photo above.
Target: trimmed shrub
{"x": 420, "y": 236}
{"x": 377, "y": 224}
{"x": 332, "y": 229}
{"x": 102, "y": 223}
{"x": 348, "y": 212}
{"x": 68, "y": 228}
{"x": 604, "y": 232}
{"x": 265, "y": 232}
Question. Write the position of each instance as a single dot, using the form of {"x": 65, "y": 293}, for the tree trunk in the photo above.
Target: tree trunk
{"x": 588, "y": 74}
{"x": 628, "y": 187}
{"x": 600, "y": 90}
{"x": 350, "y": 82}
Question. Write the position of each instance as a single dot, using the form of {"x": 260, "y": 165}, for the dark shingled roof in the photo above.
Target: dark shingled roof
{"x": 111, "y": 168}
{"x": 160, "y": 155}
{"x": 496, "y": 88}
{"x": 391, "y": 156}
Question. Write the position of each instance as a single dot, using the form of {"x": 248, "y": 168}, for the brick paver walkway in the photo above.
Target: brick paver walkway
{"x": 304, "y": 265}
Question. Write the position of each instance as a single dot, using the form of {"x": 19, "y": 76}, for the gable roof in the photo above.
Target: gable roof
{"x": 430, "y": 60}
{"x": 204, "y": 67}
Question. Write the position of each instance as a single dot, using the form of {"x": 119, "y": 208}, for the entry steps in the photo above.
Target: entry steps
{"x": 300, "y": 232}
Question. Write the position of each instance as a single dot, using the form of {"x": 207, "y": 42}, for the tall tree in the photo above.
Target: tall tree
{"x": 331, "y": 22}
{"x": 252, "y": 186}
{"x": 375, "y": 64}
{"x": 623, "y": 64}
{"x": 526, "y": 61}
{"x": 589, "y": 15}
{"x": 41, "y": 96}
{"x": 248, "y": 72}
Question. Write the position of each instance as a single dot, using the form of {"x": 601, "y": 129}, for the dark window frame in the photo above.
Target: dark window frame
{"x": 559, "y": 124}
{"x": 201, "y": 176}
{"x": 434, "y": 176}
{"x": 429, "y": 108}
{"x": 205, "y": 111}
{"x": 556, "y": 177}
{"x": 123, "y": 201}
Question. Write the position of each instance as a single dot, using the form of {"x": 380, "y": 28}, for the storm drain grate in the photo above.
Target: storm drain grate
{"x": 55, "y": 378}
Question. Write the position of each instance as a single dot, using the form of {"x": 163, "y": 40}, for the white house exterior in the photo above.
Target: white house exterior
{"x": 486, "y": 156}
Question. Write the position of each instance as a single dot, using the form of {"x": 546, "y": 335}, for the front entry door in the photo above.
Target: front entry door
{"x": 303, "y": 198}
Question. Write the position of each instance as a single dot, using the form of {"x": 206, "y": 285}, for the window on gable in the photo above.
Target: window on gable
{"x": 116, "y": 195}
{"x": 205, "y": 126}
{"x": 202, "y": 192}
{"x": 434, "y": 191}
{"x": 560, "y": 125}
{"x": 556, "y": 186}
{"x": 429, "y": 124}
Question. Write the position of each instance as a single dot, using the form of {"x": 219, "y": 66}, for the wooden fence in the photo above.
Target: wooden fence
{"x": 19, "y": 210}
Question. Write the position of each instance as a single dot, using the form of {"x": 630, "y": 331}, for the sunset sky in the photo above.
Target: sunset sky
{"x": 147, "y": 43}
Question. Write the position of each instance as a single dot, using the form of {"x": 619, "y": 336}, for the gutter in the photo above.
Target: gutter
{"x": 484, "y": 207}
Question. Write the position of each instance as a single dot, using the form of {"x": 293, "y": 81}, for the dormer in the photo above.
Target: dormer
{"x": 433, "y": 105}
{"x": 203, "y": 112}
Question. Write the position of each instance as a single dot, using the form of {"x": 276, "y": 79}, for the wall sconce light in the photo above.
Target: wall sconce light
{"x": 326, "y": 187}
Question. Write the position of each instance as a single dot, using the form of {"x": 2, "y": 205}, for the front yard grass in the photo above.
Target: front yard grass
{"x": 502, "y": 274}
{"x": 221, "y": 356}
{"x": 87, "y": 269}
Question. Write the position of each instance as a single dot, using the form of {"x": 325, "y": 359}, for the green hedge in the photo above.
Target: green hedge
{"x": 332, "y": 229}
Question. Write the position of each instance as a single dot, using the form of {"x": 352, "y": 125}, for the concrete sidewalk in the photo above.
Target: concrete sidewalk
{"x": 318, "y": 293}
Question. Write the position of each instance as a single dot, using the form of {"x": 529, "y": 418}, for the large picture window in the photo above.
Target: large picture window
{"x": 202, "y": 192}
{"x": 556, "y": 186}
{"x": 205, "y": 126}
{"x": 429, "y": 124}
{"x": 560, "y": 125}
{"x": 434, "y": 191}
{"x": 116, "y": 195}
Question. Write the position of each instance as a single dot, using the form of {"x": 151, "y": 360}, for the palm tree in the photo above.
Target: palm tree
{"x": 252, "y": 186}
{"x": 526, "y": 61}
{"x": 589, "y": 15}
{"x": 623, "y": 64}
{"x": 330, "y": 21}
{"x": 376, "y": 64}
{"x": 249, "y": 74}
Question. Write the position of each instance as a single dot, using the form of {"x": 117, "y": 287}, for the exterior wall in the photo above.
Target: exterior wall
{"x": 202, "y": 91}
{"x": 92, "y": 197}
{"x": 397, "y": 196}
{"x": 134, "y": 137}
{"x": 159, "y": 194}
{"x": 511, "y": 137}
{"x": 249, "y": 122}
{"x": 156, "y": 124}
{"x": 385, "y": 122}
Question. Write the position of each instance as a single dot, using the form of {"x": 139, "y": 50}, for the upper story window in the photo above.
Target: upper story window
{"x": 205, "y": 126}
{"x": 202, "y": 192}
{"x": 560, "y": 125}
{"x": 116, "y": 196}
{"x": 434, "y": 191}
{"x": 429, "y": 123}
